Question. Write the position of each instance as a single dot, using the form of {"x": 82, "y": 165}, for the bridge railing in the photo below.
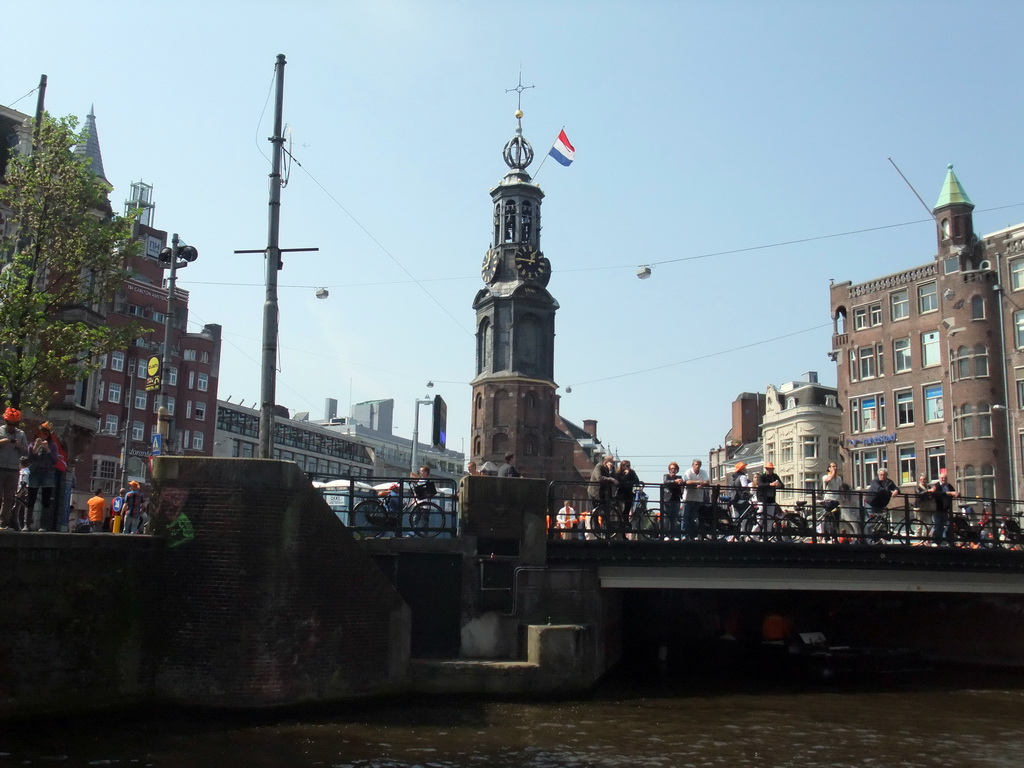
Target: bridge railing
{"x": 583, "y": 512}
{"x": 380, "y": 507}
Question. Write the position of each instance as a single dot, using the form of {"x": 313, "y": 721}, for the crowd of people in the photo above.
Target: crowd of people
{"x": 752, "y": 501}
{"x": 35, "y": 497}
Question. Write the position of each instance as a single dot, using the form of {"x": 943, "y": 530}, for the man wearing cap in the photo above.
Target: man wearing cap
{"x": 767, "y": 484}
{"x": 13, "y": 445}
{"x": 132, "y": 509}
{"x": 740, "y": 490}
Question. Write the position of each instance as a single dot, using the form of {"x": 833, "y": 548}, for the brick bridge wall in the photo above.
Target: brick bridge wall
{"x": 268, "y": 599}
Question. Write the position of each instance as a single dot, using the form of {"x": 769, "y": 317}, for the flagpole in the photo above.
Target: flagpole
{"x": 548, "y": 153}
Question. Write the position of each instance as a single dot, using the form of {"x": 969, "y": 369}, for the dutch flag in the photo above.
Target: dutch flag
{"x": 562, "y": 150}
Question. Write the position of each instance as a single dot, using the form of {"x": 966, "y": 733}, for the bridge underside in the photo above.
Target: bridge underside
{"x": 807, "y": 579}
{"x": 797, "y": 566}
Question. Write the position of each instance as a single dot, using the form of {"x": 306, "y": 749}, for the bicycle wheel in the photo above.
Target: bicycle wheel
{"x": 372, "y": 516}
{"x": 648, "y": 523}
{"x": 600, "y": 522}
{"x": 876, "y": 531}
{"x": 427, "y": 519}
{"x": 911, "y": 531}
{"x": 792, "y": 527}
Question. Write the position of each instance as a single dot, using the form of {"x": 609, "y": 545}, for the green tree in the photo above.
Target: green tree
{"x": 64, "y": 253}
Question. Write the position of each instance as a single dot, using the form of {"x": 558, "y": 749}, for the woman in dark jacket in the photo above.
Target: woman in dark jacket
{"x": 627, "y": 486}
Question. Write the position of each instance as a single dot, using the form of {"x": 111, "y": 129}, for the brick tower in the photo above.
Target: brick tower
{"x": 514, "y": 401}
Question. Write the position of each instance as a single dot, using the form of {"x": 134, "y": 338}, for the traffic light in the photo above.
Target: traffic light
{"x": 439, "y": 435}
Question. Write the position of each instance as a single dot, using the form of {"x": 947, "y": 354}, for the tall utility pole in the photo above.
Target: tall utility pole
{"x": 268, "y": 387}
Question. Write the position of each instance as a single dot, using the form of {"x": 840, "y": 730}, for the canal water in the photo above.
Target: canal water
{"x": 940, "y": 719}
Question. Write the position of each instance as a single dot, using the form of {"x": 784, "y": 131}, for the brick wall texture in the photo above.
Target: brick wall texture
{"x": 270, "y": 601}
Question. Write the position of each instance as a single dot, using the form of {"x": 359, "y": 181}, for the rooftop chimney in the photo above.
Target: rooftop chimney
{"x": 590, "y": 427}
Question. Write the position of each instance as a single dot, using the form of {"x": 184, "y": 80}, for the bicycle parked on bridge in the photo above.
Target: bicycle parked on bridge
{"x": 879, "y": 529}
{"x": 387, "y": 516}
{"x": 609, "y": 519}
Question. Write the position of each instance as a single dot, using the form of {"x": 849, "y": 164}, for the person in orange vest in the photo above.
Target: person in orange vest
{"x": 776, "y": 627}
{"x": 97, "y": 511}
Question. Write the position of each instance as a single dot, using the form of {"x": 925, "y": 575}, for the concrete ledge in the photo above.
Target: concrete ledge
{"x": 558, "y": 664}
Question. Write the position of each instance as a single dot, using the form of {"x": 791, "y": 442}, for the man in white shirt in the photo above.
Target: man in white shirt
{"x": 695, "y": 480}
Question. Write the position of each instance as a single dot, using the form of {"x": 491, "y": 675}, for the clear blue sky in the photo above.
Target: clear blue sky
{"x": 699, "y": 128}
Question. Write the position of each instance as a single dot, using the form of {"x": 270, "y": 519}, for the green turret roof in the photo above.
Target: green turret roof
{"x": 952, "y": 191}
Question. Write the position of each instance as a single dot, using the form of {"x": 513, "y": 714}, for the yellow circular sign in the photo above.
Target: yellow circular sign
{"x": 153, "y": 368}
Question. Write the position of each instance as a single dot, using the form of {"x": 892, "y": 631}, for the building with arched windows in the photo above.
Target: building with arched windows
{"x": 931, "y": 360}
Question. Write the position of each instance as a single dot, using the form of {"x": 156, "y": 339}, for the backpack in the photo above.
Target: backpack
{"x": 61, "y": 464}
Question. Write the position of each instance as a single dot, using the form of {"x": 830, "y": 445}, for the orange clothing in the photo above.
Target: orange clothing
{"x": 97, "y": 509}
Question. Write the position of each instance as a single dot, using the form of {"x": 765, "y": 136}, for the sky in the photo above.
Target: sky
{"x": 740, "y": 148}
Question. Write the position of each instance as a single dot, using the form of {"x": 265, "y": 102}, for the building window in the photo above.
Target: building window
{"x": 936, "y": 456}
{"x": 867, "y": 362}
{"x": 190, "y": 354}
{"x": 865, "y": 466}
{"x": 102, "y": 362}
{"x": 197, "y": 441}
{"x": 188, "y": 409}
{"x": 833, "y": 449}
{"x": 899, "y": 305}
{"x": 875, "y": 314}
{"x": 117, "y": 361}
{"x": 963, "y": 363}
{"x": 901, "y": 355}
{"x": 963, "y": 421}
{"x": 933, "y": 403}
{"x": 787, "y": 451}
{"x": 930, "y": 349}
{"x": 200, "y": 411}
{"x": 907, "y": 458}
{"x": 110, "y": 424}
{"x": 113, "y": 392}
{"x": 977, "y": 308}
{"x": 810, "y": 443}
{"x": 867, "y": 414}
{"x": 984, "y": 420}
{"x": 769, "y": 453}
{"x": 172, "y": 377}
{"x": 142, "y": 368}
{"x": 904, "y": 408}
{"x": 138, "y": 431}
{"x": 860, "y": 318}
{"x": 140, "y": 399}
{"x": 170, "y": 406}
{"x": 204, "y": 382}
{"x": 191, "y": 379}
{"x": 204, "y": 357}
{"x": 927, "y": 298}
{"x": 981, "y": 361}
{"x": 1017, "y": 275}
{"x": 1018, "y": 328}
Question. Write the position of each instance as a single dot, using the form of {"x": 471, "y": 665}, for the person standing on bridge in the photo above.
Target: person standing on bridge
{"x": 767, "y": 484}
{"x": 880, "y": 492}
{"x": 602, "y": 488}
{"x": 695, "y": 481}
{"x": 943, "y": 518}
{"x": 831, "y": 484}
{"x": 508, "y": 469}
{"x": 13, "y": 445}
{"x": 671, "y": 493}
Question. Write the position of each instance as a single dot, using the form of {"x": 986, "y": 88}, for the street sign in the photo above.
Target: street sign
{"x": 158, "y": 445}
{"x": 153, "y": 374}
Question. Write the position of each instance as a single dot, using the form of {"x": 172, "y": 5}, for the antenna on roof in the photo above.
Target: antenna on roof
{"x": 930, "y": 214}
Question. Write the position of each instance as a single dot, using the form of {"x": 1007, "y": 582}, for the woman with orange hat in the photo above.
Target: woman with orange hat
{"x": 42, "y": 456}
{"x": 13, "y": 445}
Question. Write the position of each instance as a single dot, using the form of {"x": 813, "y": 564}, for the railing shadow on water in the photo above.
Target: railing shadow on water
{"x": 393, "y": 507}
{"x": 588, "y": 512}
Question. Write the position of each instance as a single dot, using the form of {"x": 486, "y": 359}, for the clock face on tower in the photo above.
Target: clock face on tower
{"x": 531, "y": 264}
{"x": 490, "y": 266}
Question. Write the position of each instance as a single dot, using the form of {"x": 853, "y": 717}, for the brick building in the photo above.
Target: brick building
{"x": 928, "y": 358}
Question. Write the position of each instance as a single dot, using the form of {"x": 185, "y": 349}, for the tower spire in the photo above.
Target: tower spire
{"x": 89, "y": 147}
